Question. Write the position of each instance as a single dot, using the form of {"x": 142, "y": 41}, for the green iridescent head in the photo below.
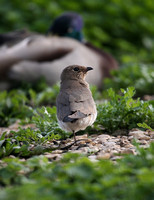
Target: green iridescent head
{"x": 69, "y": 24}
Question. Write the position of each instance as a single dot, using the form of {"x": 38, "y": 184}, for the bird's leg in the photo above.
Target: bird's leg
{"x": 74, "y": 137}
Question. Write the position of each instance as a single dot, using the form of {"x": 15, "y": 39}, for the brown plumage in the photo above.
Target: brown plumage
{"x": 76, "y": 108}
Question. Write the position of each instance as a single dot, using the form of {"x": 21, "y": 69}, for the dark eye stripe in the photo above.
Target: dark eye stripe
{"x": 76, "y": 69}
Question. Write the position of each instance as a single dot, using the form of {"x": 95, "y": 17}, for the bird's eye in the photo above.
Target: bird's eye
{"x": 76, "y": 69}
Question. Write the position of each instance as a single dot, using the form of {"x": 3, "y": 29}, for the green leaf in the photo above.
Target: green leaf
{"x": 145, "y": 126}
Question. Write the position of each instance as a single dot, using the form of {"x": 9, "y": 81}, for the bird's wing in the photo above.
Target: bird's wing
{"x": 74, "y": 116}
{"x": 63, "y": 107}
{"x": 81, "y": 100}
{"x": 78, "y": 104}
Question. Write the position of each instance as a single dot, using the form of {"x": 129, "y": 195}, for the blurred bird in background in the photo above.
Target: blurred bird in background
{"x": 70, "y": 24}
{"x": 26, "y": 56}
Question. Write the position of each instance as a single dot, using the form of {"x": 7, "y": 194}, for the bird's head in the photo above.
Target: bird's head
{"x": 69, "y": 24}
{"x": 75, "y": 72}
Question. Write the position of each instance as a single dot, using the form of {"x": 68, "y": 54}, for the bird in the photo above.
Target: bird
{"x": 13, "y": 37}
{"x": 36, "y": 55}
{"x": 76, "y": 108}
{"x": 70, "y": 24}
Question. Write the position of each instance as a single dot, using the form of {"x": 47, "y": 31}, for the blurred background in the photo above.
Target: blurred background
{"x": 123, "y": 28}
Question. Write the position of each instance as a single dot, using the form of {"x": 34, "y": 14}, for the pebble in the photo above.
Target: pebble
{"x": 52, "y": 156}
{"x": 92, "y": 158}
{"x": 142, "y": 142}
{"x": 140, "y": 135}
{"x": 77, "y": 151}
{"x": 127, "y": 151}
{"x": 152, "y": 135}
{"x": 114, "y": 158}
{"x": 96, "y": 147}
{"x": 105, "y": 156}
{"x": 115, "y": 152}
{"x": 110, "y": 144}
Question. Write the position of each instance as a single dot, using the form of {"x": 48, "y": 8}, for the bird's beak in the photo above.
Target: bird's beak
{"x": 89, "y": 68}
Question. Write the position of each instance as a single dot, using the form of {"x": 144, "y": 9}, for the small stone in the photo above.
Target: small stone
{"x": 81, "y": 142}
{"x": 115, "y": 151}
{"x": 110, "y": 144}
{"x": 98, "y": 146}
{"x": 145, "y": 138}
{"x": 94, "y": 149}
{"x": 88, "y": 140}
{"x": 93, "y": 143}
{"x": 148, "y": 97}
{"x": 139, "y": 135}
{"x": 58, "y": 151}
{"x": 103, "y": 138}
{"x": 130, "y": 138}
{"x": 85, "y": 150}
{"x": 144, "y": 146}
{"x": 77, "y": 151}
{"x": 81, "y": 137}
{"x": 107, "y": 150}
{"x": 105, "y": 156}
{"x": 124, "y": 137}
{"x": 12, "y": 156}
{"x": 143, "y": 142}
{"x": 64, "y": 142}
{"x": 152, "y": 135}
{"x": 92, "y": 158}
{"x": 22, "y": 159}
{"x": 128, "y": 145}
{"x": 127, "y": 151}
{"x": 53, "y": 156}
{"x": 114, "y": 158}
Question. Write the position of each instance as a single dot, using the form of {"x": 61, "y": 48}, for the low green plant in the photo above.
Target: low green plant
{"x": 124, "y": 112}
{"x": 23, "y": 143}
{"x": 140, "y": 76}
{"x": 46, "y": 121}
{"x": 28, "y": 142}
{"x": 121, "y": 112}
{"x": 38, "y": 85}
{"x": 18, "y": 103}
{"x": 76, "y": 177}
{"x": 45, "y": 97}
{"x": 13, "y": 106}
{"x": 97, "y": 95}
{"x": 145, "y": 126}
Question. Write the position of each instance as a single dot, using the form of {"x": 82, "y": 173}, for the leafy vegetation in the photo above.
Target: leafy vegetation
{"x": 145, "y": 126}
{"x": 18, "y": 104}
{"x": 120, "y": 112}
{"x": 124, "y": 28}
{"x": 28, "y": 142}
{"x": 75, "y": 177}
{"x": 140, "y": 76}
{"x": 123, "y": 112}
{"x": 44, "y": 97}
{"x": 45, "y": 118}
{"x": 13, "y": 106}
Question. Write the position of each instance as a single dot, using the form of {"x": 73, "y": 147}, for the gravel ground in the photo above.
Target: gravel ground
{"x": 102, "y": 146}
